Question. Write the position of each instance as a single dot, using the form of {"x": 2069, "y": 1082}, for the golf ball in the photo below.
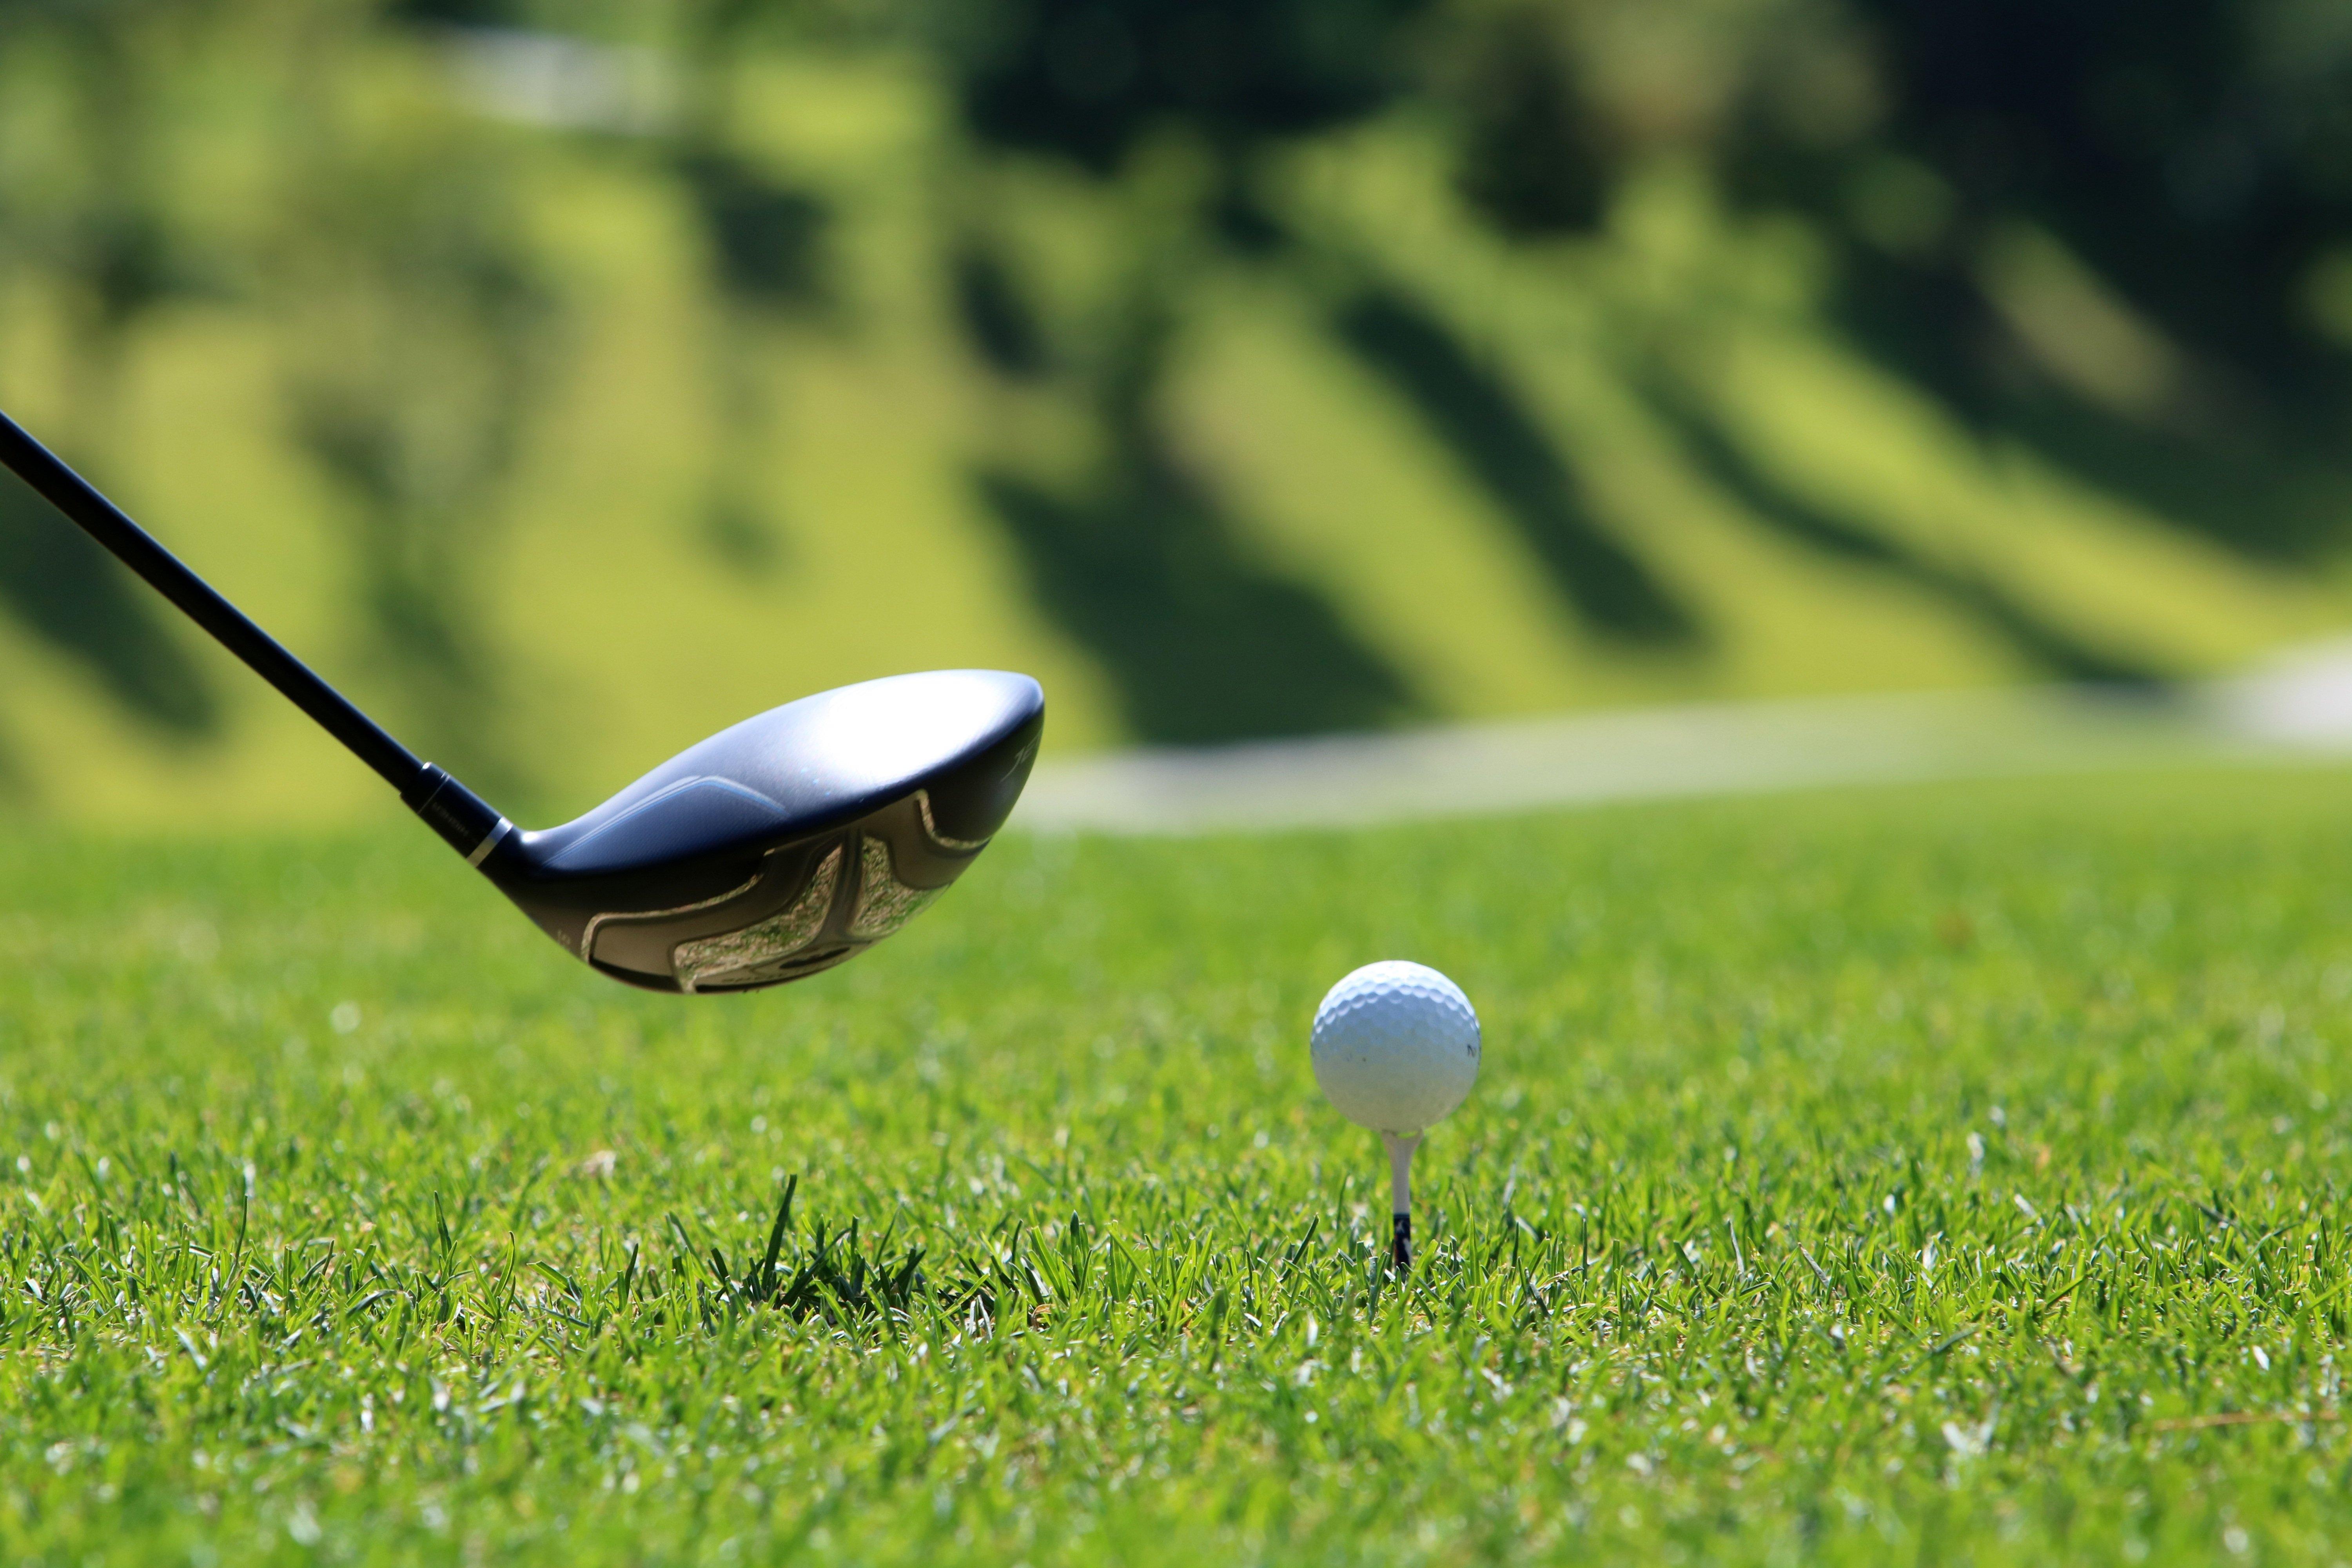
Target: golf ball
{"x": 1395, "y": 1046}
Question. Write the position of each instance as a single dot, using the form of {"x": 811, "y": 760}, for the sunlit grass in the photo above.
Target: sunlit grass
{"x": 1945, "y": 1173}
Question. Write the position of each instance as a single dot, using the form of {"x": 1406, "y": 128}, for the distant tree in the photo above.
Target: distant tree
{"x": 2120, "y": 233}
{"x": 1114, "y": 92}
{"x": 337, "y": 196}
{"x": 91, "y": 225}
{"x": 765, "y": 260}
{"x": 418, "y": 338}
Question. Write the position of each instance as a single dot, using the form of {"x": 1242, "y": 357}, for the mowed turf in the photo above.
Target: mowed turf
{"x": 1950, "y": 1175}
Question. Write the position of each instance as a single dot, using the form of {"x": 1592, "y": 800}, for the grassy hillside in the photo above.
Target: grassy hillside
{"x": 619, "y": 627}
{"x": 1928, "y": 1172}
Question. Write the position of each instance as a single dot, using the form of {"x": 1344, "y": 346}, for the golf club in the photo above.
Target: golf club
{"x": 771, "y": 851}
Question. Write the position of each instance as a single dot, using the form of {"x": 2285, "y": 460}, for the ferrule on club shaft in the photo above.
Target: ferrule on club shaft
{"x": 470, "y": 823}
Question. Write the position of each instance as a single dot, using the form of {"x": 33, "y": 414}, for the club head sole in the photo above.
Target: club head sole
{"x": 788, "y": 844}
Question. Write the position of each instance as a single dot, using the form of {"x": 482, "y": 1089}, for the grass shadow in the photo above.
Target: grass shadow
{"x": 2042, "y": 644}
{"x": 1497, "y": 438}
{"x": 68, "y": 591}
{"x": 2238, "y": 469}
{"x": 1204, "y": 644}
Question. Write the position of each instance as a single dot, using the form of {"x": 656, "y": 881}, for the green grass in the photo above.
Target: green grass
{"x": 1935, "y": 1174}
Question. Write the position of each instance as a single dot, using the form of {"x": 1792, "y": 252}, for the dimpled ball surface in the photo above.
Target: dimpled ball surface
{"x": 1395, "y": 1046}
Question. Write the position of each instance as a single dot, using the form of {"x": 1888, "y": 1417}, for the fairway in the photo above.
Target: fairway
{"x": 1939, "y": 1174}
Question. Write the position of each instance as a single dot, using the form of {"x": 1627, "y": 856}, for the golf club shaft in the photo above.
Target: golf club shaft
{"x": 135, "y": 548}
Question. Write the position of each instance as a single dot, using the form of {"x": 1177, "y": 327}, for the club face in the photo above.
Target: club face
{"x": 789, "y": 843}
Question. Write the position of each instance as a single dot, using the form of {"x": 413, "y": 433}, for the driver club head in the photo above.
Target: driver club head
{"x": 768, "y": 852}
{"x": 785, "y": 845}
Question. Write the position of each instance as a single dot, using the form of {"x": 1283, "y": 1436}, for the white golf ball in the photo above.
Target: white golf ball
{"x": 1396, "y": 1047}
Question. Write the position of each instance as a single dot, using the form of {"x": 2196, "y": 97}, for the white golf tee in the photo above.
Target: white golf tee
{"x": 1401, "y": 1148}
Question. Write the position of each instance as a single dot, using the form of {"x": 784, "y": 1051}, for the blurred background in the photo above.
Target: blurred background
{"x": 572, "y": 381}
